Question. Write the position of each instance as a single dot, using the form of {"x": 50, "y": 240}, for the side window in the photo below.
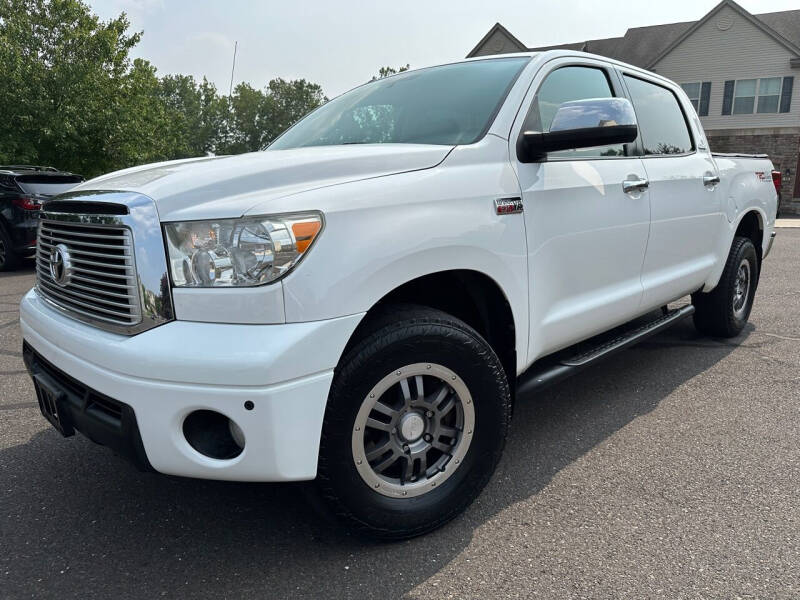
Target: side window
{"x": 565, "y": 85}
{"x": 662, "y": 125}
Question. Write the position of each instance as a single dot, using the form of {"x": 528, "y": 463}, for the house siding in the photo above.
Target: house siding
{"x": 743, "y": 51}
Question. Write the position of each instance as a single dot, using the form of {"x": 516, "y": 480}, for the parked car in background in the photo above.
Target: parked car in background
{"x": 362, "y": 302}
{"x": 23, "y": 188}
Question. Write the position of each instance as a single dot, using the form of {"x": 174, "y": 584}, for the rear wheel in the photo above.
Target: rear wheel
{"x": 415, "y": 424}
{"x": 724, "y": 311}
{"x": 9, "y": 260}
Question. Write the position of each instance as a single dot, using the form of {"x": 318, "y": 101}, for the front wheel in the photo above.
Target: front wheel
{"x": 415, "y": 424}
{"x": 724, "y": 311}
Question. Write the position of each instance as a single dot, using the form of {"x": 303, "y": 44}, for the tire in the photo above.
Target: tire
{"x": 411, "y": 344}
{"x": 9, "y": 260}
{"x": 724, "y": 311}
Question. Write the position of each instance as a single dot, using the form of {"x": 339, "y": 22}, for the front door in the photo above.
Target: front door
{"x": 586, "y": 236}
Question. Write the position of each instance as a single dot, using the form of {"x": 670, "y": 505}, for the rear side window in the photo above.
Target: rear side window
{"x": 566, "y": 85}
{"x": 662, "y": 124}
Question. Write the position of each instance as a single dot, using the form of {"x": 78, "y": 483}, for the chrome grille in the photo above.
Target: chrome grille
{"x": 102, "y": 284}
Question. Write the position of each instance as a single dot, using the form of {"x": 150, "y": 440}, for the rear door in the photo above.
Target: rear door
{"x": 586, "y": 236}
{"x": 683, "y": 181}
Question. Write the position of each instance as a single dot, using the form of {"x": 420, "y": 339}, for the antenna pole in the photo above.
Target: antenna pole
{"x": 233, "y": 67}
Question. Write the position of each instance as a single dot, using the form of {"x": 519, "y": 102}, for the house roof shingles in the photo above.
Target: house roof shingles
{"x": 786, "y": 23}
{"x": 640, "y": 46}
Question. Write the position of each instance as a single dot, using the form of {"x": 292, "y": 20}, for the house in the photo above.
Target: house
{"x": 737, "y": 68}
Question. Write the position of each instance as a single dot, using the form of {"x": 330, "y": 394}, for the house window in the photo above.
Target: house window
{"x": 757, "y": 95}
{"x": 693, "y": 91}
{"x": 744, "y": 97}
{"x": 699, "y": 95}
{"x": 769, "y": 95}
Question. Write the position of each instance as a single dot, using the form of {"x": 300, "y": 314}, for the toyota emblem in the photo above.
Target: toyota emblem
{"x": 60, "y": 265}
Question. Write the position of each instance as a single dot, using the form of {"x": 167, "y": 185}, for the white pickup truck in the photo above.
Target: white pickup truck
{"x": 362, "y": 302}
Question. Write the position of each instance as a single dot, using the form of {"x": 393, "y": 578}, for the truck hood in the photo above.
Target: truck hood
{"x": 229, "y": 186}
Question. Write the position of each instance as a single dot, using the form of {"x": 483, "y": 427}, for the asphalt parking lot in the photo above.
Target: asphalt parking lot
{"x": 670, "y": 471}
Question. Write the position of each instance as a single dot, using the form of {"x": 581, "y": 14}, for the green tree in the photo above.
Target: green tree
{"x": 141, "y": 131}
{"x": 197, "y": 115}
{"x": 71, "y": 97}
{"x": 288, "y": 102}
{"x": 246, "y": 125}
{"x": 183, "y": 102}
{"x": 388, "y": 71}
{"x": 62, "y": 68}
{"x": 257, "y": 117}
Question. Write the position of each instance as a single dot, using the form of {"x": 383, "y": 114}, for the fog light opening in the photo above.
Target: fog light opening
{"x": 213, "y": 434}
{"x": 236, "y": 433}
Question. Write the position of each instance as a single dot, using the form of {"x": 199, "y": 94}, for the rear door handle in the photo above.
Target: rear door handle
{"x": 635, "y": 185}
{"x": 711, "y": 180}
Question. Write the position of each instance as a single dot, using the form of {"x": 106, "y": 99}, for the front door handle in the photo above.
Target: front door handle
{"x": 709, "y": 180}
{"x": 630, "y": 186}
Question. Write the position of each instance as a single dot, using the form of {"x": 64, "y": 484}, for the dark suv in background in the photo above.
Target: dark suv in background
{"x": 23, "y": 188}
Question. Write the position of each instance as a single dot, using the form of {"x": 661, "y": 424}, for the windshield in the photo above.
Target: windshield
{"x": 451, "y": 104}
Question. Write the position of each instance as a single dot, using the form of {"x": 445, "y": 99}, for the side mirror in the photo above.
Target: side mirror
{"x": 582, "y": 124}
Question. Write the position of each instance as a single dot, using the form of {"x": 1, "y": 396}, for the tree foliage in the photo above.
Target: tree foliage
{"x": 71, "y": 97}
{"x": 388, "y": 71}
{"x": 259, "y": 116}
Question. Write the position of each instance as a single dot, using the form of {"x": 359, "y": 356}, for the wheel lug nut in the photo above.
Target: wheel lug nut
{"x": 429, "y": 414}
{"x": 406, "y": 449}
{"x": 428, "y": 437}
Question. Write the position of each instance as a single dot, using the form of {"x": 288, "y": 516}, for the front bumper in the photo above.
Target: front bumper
{"x": 98, "y": 417}
{"x": 168, "y": 372}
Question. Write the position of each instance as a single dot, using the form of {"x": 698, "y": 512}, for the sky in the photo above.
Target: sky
{"x": 342, "y": 43}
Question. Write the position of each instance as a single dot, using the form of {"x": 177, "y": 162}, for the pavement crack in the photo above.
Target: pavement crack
{"x": 780, "y": 337}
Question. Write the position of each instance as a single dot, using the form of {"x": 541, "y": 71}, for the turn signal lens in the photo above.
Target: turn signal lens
{"x": 305, "y": 232}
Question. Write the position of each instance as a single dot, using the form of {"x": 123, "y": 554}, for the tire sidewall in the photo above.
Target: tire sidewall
{"x": 467, "y": 355}
{"x": 747, "y": 251}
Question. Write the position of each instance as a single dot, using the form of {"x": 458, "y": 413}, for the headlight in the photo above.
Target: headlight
{"x": 238, "y": 252}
